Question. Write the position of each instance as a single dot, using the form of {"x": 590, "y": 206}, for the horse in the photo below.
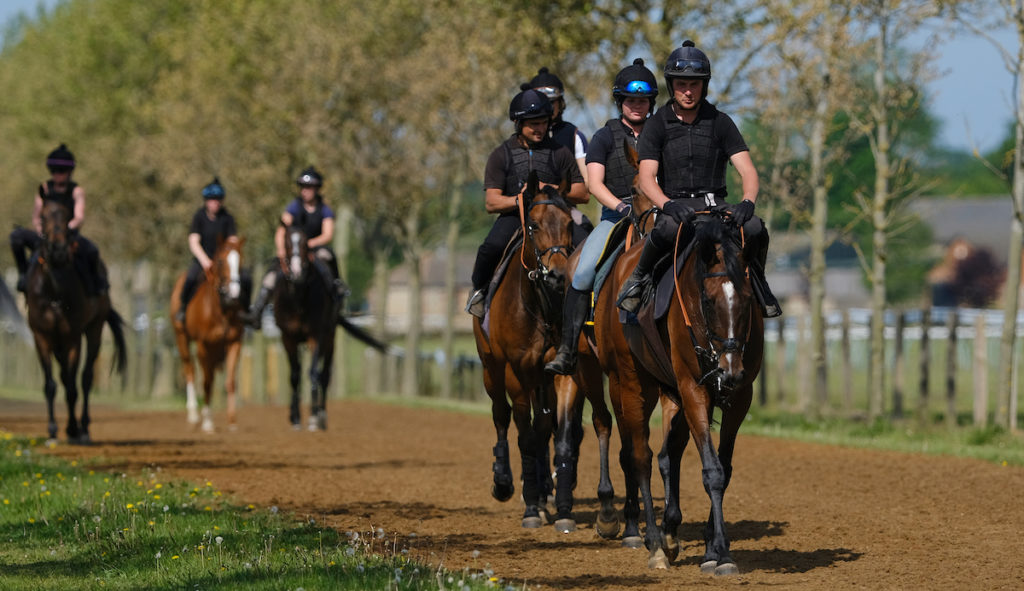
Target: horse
{"x": 305, "y": 311}
{"x": 214, "y": 321}
{"x": 59, "y": 313}
{"x": 516, "y": 339}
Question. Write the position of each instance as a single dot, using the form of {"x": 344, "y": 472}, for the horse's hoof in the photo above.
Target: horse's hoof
{"x": 565, "y": 526}
{"x": 311, "y": 426}
{"x": 545, "y": 515}
{"x": 671, "y": 548}
{"x": 233, "y": 428}
{"x": 634, "y": 542}
{"x": 727, "y": 569}
{"x": 51, "y": 442}
{"x": 607, "y": 528}
{"x": 502, "y": 493}
{"x": 296, "y": 427}
{"x": 193, "y": 416}
{"x": 658, "y": 560}
{"x": 208, "y": 426}
{"x": 708, "y": 567}
{"x": 532, "y": 522}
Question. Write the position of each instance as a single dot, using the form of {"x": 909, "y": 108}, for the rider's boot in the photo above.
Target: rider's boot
{"x": 254, "y": 316}
{"x": 770, "y": 307}
{"x": 573, "y": 317}
{"x": 633, "y": 287}
{"x": 475, "y": 303}
{"x": 22, "y": 262}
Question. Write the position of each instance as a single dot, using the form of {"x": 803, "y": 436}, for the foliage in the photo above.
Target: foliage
{"x": 70, "y": 526}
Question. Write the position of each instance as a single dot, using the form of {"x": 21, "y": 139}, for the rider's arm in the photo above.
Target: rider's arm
{"x": 326, "y": 234}
{"x": 497, "y": 202}
{"x": 648, "y": 179}
{"x": 77, "y": 216}
{"x": 195, "y": 246}
{"x": 286, "y": 219}
{"x": 595, "y": 172}
{"x": 748, "y": 174}
{"x": 37, "y": 214}
{"x": 580, "y": 153}
{"x": 578, "y": 194}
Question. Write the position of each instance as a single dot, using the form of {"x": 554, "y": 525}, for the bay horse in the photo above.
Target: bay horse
{"x": 213, "y": 320}
{"x": 59, "y": 313}
{"x": 517, "y": 337}
{"x": 305, "y": 312}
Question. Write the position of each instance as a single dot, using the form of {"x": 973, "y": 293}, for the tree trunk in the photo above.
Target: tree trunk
{"x": 374, "y": 383}
{"x": 342, "y": 237}
{"x": 448, "y": 329}
{"x": 819, "y": 216}
{"x": 879, "y": 221}
{"x": 414, "y": 312}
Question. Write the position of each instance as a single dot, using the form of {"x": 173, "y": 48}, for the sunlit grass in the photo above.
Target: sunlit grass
{"x": 66, "y": 526}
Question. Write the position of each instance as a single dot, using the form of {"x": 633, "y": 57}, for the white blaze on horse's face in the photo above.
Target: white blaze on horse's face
{"x": 295, "y": 262}
{"x": 235, "y": 286}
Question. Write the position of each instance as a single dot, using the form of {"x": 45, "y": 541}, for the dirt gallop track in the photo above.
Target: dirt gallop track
{"x": 800, "y": 516}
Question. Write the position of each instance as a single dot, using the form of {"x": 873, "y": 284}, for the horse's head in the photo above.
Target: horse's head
{"x": 726, "y": 302}
{"x": 296, "y": 253}
{"x": 643, "y": 207}
{"x": 227, "y": 271}
{"x": 57, "y": 245}
{"x": 547, "y": 223}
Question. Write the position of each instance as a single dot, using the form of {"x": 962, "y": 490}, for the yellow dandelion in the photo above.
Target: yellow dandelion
{"x": 158, "y": 486}
{"x": 125, "y": 530}
{"x": 200, "y": 547}
{"x": 106, "y": 494}
{"x": 17, "y": 453}
{"x": 74, "y": 462}
{"x": 139, "y": 483}
{"x": 207, "y": 508}
{"x": 129, "y": 506}
{"x": 251, "y": 506}
{"x": 24, "y": 483}
{"x": 6, "y": 502}
{"x": 39, "y": 474}
{"x": 31, "y": 519}
{"x": 216, "y": 527}
{"x": 106, "y": 479}
{"x": 208, "y": 483}
{"x": 149, "y": 492}
{"x": 156, "y": 497}
{"x": 175, "y": 557}
{"x": 51, "y": 444}
{"x": 151, "y": 522}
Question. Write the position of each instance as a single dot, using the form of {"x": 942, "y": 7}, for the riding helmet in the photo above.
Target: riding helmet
{"x": 214, "y": 190}
{"x": 529, "y": 104}
{"x": 687, "y": 62}
{"x": 310, "y": 178}
{"x": 60, "y": 160}
{"x": 635, "y": 81}
{"x": 547, "y": 83}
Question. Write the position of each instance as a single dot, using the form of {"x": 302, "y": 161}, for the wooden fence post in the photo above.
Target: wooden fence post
{"x": 780, "y": 364}
{"x": 951, "y": 326}
{"x": 898, "y": 367}
{"x": 980, "y": 372}
{"x": 922, "y": 399}
{"x": 847, "y": 361}
{"x": 803, "y": 366}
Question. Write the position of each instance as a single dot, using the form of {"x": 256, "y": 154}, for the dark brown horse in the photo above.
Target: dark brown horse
{"x": 305, "y": 312}
{"x": 213, "y": 320}
{"x": 59, "y": 313}
{"x": 522, "y": 327}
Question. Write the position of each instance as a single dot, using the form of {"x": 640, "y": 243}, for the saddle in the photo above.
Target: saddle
{"x": 499, "y": 273}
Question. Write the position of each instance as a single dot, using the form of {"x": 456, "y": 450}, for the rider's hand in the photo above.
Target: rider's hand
{"x": 742, "y": 212}
{"x": 206, "y": 264}
{"x": 679, "y": 211}
{"x": 623, "y": 209}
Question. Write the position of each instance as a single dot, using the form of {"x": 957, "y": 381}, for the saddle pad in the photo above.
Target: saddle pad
{"x": 665, "y": 275}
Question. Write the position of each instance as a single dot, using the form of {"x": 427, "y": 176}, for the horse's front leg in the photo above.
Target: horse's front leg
{"x": 569, "y": 407}
{"x": 291, "y": 347}
{"x": 209, "y": 367}
{"x": 231, "y": 380}
{"x": 316, "y": 386}
{"x": 68, "y": 376}
{"x": 714, "y": 531}
{"x": 92, "y": 351}
{"x": 543, "y": 405}
{"x": 675, "y": 435}
{"x": 591, "y": 381}
{"x": 503, "y": 486}
{"x": 44, "y": 352}
{"x": 716, "y": 554}
{"x": 326, "y": 363}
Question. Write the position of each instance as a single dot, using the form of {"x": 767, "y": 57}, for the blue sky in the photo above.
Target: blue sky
{"x": 973, "y": 97}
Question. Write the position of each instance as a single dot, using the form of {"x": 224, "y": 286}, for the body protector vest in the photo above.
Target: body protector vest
{"x": 692, "y": 158}
{"x": 65, "y": 198}
{"x": 311, "y": 223}
{"x": 564, "y": 134}
{"x": 520, "y": 161}
{"x": 618, "y": 172}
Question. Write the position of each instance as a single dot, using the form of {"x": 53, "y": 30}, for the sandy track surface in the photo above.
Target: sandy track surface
{"x": 800, "y": 516}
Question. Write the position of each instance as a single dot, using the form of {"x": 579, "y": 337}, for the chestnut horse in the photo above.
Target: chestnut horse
{"x": 59, "y": 313}
{"x": 305, "y": 312}
{"x": 213, "y": 320}
{"x": 523, "y": 325}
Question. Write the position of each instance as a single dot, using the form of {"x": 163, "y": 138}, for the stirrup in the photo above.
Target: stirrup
{"x": 22, "y": 282}
{"x": 631, "y": 293}
{"x": 475, "y": 304}
{"x": 563, "y": 364}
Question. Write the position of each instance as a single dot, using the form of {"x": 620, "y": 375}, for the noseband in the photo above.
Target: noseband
{"x": 541, "y": 276}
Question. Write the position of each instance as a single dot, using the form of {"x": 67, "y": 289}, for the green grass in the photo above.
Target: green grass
{"x": 66, "y": 526}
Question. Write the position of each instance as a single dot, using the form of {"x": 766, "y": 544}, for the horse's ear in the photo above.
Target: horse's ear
{"x": 532, "y": 184}
{"x": 631, "y": 155}
{"x": 564, "y": 186}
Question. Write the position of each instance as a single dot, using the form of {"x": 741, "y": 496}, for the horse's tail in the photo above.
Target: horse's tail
{"x": 362, "y": 335}
{"x": 116, "y": 324}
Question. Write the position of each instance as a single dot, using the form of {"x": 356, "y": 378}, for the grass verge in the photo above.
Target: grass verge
{"x": 66, "y": 526}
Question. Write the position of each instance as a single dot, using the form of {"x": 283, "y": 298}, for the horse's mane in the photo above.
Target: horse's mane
{"x": 712, "y": 230}
{"x": 552, "y": 194}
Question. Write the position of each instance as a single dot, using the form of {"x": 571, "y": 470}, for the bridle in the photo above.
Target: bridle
{"x": 542, "y": 276}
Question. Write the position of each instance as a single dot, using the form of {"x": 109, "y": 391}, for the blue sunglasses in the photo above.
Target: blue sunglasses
{"x": 638, "y": 86}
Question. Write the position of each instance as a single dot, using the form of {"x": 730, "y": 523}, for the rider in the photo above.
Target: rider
{"x": 212, "y": 224}
{"x": 568, "y": 135}
{"x": 683, "y": 152}
{"x": 611, "y": 182}
{"x": 60, "y": 188}
{"x": 316, "y": 219}
{"x": 508, "y": 166}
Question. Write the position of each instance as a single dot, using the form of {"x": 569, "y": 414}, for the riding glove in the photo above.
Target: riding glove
{"x": 742, "y": 212}
{"x": 679, "y": 211}
{"x": 624, "y": 208}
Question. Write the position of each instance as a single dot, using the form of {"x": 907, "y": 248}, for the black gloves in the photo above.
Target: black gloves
{"x": 742, "y": 212}
{"x": 624, "y": 208}
{"x": 679, "y": 212}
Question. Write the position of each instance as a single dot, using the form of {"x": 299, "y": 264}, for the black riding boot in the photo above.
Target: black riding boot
{"x": 573, "y": 317}
{"x": 633, "y": 288}
{"x": 22, "y": 262}
{"x": 770, "y": 307}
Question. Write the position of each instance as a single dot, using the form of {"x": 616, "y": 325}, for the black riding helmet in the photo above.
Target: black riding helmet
{"x": 529, "y": 104}
{"x": 214, "y": 190}
{"x": 60, "y": 160}
{"x": 635, "y": 81}
{"x": 688, "y": 62}
{"x": 548, "y": 83}
{"x": 310, "y": 177}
